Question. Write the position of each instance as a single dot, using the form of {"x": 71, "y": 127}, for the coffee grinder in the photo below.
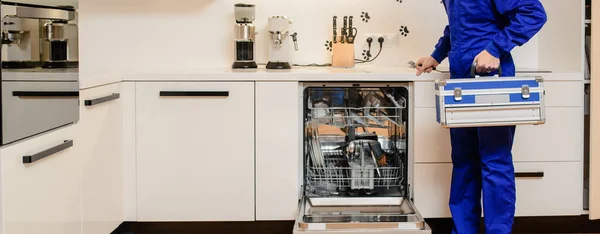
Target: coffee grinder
{"x": 280, "y": 45}
{"x": 244, "y": 36}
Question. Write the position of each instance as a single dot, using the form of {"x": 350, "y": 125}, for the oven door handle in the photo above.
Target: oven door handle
{"x": 46, "y": 153}
{"x": 101, "y": 100}
{"x": 25, "y": 94}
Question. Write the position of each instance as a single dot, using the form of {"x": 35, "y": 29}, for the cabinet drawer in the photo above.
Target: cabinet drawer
{"x": 558, "y": 94}
{"x": 558, "y": 192}
{"x": 532, "y": 143}
{"x": 43, "y": 196}
{"x": 195, "y": 151}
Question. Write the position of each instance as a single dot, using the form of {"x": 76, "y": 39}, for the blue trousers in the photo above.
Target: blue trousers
{"x": 482, "y": 161}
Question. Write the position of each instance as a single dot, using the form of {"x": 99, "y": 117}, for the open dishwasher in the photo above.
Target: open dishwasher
{"x": 357, "y": 164}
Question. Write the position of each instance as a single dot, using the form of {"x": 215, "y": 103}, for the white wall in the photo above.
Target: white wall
{"x": 133, "y": 36}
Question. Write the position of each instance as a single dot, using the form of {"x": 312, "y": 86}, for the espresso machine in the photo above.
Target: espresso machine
{"x": 245, "y": 36}
{"x": 280, "y": 45}
{"x": 39, "y": 37}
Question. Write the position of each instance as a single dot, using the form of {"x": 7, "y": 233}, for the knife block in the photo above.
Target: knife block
{"x": 343, "y": 55}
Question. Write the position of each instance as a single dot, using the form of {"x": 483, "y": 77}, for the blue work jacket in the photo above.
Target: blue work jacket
{"x": 497, "y": 26}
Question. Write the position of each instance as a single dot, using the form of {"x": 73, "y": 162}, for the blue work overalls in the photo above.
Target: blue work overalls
{"x": 482, "y": 157}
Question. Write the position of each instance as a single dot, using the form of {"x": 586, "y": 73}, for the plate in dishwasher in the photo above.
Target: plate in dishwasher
{"x": 357, "y": 215}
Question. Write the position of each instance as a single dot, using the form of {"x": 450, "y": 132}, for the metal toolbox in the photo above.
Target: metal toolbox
{"x": 490, "y": 101}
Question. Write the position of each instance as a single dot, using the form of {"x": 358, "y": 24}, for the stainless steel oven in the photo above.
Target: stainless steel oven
{"x": 39, "y": 76}
{"x": 357, "y": 160}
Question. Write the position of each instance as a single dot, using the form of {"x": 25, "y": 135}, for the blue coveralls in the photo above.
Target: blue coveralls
{"x": 482, "y": 157}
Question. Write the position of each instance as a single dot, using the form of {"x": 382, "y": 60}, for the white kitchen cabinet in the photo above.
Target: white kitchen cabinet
{"x": 129, "y": 151}
{"x": 545, "y": 189}
{"x": 101, "y": 126}
{"x": 43, "y": 196}
{"x": 532, "y": 143}
{"x": 195, "y": 151}
{"x": 278, "y": 149}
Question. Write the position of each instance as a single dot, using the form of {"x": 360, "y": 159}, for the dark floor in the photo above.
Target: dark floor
{"x": 579, "y": 224}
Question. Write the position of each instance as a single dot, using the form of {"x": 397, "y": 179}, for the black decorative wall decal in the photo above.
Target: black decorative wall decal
{"x": 366, "y": 54}
{"x": 399, "y": 1}
{"x": 404, "y": 31}
{"x": 365, "y": 16}
{"x": 328, "y": 45}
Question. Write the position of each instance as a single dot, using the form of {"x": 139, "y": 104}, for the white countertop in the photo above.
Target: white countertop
{"x": 358, "y": 73}
{"x": 366, "y": 73}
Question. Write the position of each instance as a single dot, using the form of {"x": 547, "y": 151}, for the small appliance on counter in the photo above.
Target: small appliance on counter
{"x": 280, "y": 45}
{"x": 35, "y": 37}
{"x": 39, "y": 75}
{"x": 245, "y": 36}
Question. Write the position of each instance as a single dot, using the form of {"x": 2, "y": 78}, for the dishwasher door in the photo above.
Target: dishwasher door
{"x": 380, "y": 215}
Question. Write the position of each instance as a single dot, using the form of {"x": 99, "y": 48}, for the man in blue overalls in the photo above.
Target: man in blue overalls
{"x": 484, "y": 32}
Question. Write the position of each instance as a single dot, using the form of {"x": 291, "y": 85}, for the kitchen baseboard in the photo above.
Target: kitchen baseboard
{"x": 572, "y": 224}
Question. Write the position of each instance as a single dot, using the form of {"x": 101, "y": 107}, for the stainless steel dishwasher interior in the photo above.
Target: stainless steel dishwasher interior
{"x": 356, "y": 157}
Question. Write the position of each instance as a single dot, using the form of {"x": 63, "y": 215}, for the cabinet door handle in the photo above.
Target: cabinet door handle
{"x": 194, "y": 93}
{"x": 49, "y": 152}
{"x": 538, "y": 174}
{"x": 97, "y": 101}
{"x": 46, "y": 93}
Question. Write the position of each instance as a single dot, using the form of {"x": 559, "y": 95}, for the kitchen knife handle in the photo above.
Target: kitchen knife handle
{"x": 194, "y": 93}
{"x": 538, "y": 174}
{"x": 335, "y": 29}
{"x": 46, "y": 153}
{"x": 101, "y": 100}
{"x": 46, "y": 93}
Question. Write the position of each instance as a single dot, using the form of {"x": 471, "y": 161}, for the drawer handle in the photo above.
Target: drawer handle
{"x": 36, "y": 157}
{"x": 46, "y": 93}
{"x": 194, "y": 93}
{"x": 101, "y": 100}
{"x": 538, "y": 174}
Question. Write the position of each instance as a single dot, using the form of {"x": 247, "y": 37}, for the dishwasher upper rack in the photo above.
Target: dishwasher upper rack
{"x": 366, "y": 108}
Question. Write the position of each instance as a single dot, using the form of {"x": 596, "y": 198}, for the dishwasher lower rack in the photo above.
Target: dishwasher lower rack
{"x": 339, "y": 177}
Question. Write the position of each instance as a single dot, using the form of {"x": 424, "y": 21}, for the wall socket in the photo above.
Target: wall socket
{"x": 391, "y": 39}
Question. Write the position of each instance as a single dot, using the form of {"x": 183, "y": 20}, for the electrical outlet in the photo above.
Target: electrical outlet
{"x": 390, "y": 39}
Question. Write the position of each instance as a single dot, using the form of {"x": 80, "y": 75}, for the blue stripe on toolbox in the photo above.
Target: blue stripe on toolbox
{"x": 492, "y": 85}
{"x": 470, "y": 99}
{"x": 517, "y": 97}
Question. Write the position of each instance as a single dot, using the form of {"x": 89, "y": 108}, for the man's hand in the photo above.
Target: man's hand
{"x": 426, "y": 64}
{"x": 486, "y": 63}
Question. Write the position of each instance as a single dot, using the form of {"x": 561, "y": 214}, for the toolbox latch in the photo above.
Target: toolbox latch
{"x": 525, "y": 92}
{"x": 457, "y": 94}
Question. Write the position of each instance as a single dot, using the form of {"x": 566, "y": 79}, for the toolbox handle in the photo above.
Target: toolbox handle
{"x": 474, "y": 68}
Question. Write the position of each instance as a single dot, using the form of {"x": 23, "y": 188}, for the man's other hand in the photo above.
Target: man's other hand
{"x": 486, "y": 63}
{"x": 426, "y": 65}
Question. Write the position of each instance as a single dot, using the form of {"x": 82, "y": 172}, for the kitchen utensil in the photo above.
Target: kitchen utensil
{"x": 345, "y": 30}
{"x": 245, "y": 36}
{"x": 414, "y": 65}
{"x": 374, "y": 161}
{"x": 280, "y": 46}
{"x": 335, "y": 29}
{"x": 352, "y": 31}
